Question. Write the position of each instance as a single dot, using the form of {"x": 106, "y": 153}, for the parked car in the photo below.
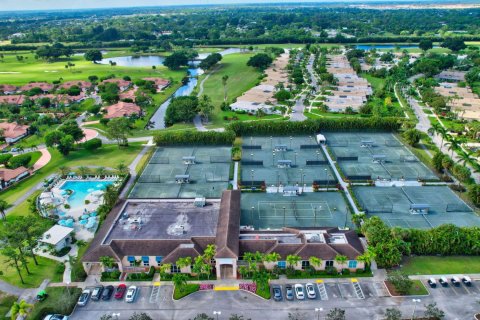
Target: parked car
{"x": 432, "y": 282}
{"x": 55, "y": 317}
{"x": 277, "y": 293}
{"x": 107, "y": 293}
{"x": 131, "y": 293}
{"x": 299, "y": 293}
{"x": 443, "y": 281}
{"x": 311, "y": 294}
{"x": 289, "y": 292}
{"x": 456, "y": 281}
{"x": 97, "y": 293}
{"x": 467, "y": 281}
{"x": 83, "y": 300}
{"x": 120, "y": 291}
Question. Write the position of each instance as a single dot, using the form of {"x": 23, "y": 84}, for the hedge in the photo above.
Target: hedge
{"x": 19, "y": 161}
{"x": 194, "y": 137}
{"x": 312, "y": 126}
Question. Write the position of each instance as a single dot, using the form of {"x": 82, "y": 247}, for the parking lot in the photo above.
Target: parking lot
{"x": 362, "y": 298}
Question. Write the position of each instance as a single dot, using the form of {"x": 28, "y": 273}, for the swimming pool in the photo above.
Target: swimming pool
{"x": 83, "y": 188}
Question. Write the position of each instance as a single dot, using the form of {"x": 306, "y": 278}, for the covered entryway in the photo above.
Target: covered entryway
{"x": 226, "y": 271}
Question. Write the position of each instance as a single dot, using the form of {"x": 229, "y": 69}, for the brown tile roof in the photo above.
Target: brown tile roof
{"x": 13, "y": 130}
{"x": 9, "y": 174}
{"x": 12, "y": 99}
{"x": 129, "y": 94}
{"x": 7, "y": 88}
{"x": 159, "y": 82}
{"x": 119, "y": 82}
{"x": 181, "y": 252}
{"x": 255, "y": 245}
{"x": 42, "y": 85}
{"x": 81, "y": 84}
{"x": 321, "y": 250}
{"x": 122, "y": 109}
{"x": 228, "y": 228}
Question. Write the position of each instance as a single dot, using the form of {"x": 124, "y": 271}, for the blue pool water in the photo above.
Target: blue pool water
{"x": 81, "y": 189}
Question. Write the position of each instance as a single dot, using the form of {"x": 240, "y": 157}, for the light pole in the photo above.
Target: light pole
{"x": 273, "y": 161}
{"x": 318, "y": 154}
{"x": 291, "y": 138}
{"x": 284, "y": 210}
{"x": 315, "y": 216}
{"x": 251, "y": 156}
{"x": 415, "y": 301}
{"x": 271, "y": 142}
{"x": 317, "y": 311}
{"x": 326, "y": 176}
{"x": 301, "y": 176}
{"x": 217, "y": 313}
{"x": 116, "y": 315}
{"x": 295, "y": 163}
{"x": 251, "y": 214}
{"x": 252, "y": 177}
{"x": 278, "y": 181}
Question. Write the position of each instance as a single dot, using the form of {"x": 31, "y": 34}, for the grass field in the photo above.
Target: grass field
{"x": 441, "y": 265}
{"x": 107, "y": 156}
{"x": 60, "y": 300}
{"x": 46, "y": 269}
{"x": 240, "y": 79}
{"x": 20, "y": 72}
{"x": 6, "y": 302}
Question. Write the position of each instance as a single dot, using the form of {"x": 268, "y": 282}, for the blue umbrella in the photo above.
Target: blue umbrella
{"x": 85, "y": 216}
{"x": 82, "y": 222}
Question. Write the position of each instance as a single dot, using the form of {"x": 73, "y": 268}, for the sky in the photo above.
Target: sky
{"x": 11, "y": 5}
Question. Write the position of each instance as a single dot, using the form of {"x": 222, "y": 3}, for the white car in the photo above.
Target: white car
{"x": 131, "y": 293}
{"x": 55, "y": 317}
{"x": 311, "y": 294}
{"x": 299, "y": 293}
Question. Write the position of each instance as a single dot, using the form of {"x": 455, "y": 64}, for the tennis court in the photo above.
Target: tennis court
{"x": 370, "y": 156}
{"x": 274, "y": 211}
{"x": 393, "y": 205}
{"x": 295, "y": 160}
{"x": 184, "y": 172}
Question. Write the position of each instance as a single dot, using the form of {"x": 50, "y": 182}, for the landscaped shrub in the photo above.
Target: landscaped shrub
{"x": 19, "y": 161}
{"x": 62, "y": 252}
{"x": 5, "y": 157}
{"x": 194, "y": 137}
{"x": 93, "y": 144}
{"x": 252, "y": 287}
{"x": 110, "y": 276}
{"x": 60, "y": 268}
{"x": 206, "y": 287}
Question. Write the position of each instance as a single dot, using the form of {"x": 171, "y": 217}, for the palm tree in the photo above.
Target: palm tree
{"x": 315, "y": 262}
{"x": 184, "y": 262}
{"x": 292, "y": 260}
{"x": 21, "y": 309}
{"x": 358, "y": 218}
{"x": 180, "y": 281}
{"x": 64, "y": 170}
{"x": 107, "y": 262}
{"x": 165, "y": 268}
{"x": 243, "y": 270}
{"x": 465, "y": 157}
{"x": 366, "y": 258}
{"x": 83, "y": 171}
{"x": 110, "y": 196}
{"x": 224, "y": 82}
{"x": 122, "y": 168}
{"x": 341, "y": 259}
{"x": 100, "y": 171}
{"x": 439, "y": 129}
{"x": 3, "y": 207}
{"x": 452, "y": 145}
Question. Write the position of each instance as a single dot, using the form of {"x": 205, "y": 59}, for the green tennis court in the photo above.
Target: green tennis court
{"x": 207, "y": 175}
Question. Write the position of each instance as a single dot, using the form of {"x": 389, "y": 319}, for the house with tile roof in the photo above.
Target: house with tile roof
{"x": 8, "y": 89}
{"x": 12, "y": 131}
{"x": 160, "y": 83}
{"x": 11, "y": 176}
{"x": 122, "y": 109}
{"x": 46, "y": 87}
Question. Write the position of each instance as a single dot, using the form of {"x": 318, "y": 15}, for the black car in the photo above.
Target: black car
{"x": 456, "y": 281}
{"x": 432, "y": 283}
{"x": 289, "y": 292}
{"x": 467, "y": 281}
{"x": 277, "y": 293}
{"x": 107, "y": 293}
{"x": 97, "y": 293}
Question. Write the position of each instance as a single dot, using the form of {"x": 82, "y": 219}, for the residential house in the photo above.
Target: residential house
{"x": 13, "y": 99}
{"x": 122, "y": 109}
{"x": 10, "y": 176}
{"x": 46, "y": 87}
{"x": 12, "y": 131}
{"x": 83, "y": 85}
{"x": 160, "y": 83}
{"x": 7, "y": 89}
{"x": 122, "y": 84}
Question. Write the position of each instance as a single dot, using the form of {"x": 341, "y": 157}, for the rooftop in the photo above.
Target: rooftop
{"x": 163, "y": 220}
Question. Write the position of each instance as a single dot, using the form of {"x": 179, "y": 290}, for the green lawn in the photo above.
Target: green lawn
{"x": 376, "y": 83}
{"x": 6, "y": 302}
{"x": 189, "y": 288}
{"x": 107, "y": 156}
{"x": 46, "y": 269}
{"x": 441, "y": 265}
{"x": 39, "y": 70}
{"x": 60, "y": 300}
{"x": 241, "y": 78}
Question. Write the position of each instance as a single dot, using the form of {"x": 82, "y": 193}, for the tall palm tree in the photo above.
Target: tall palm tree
{"x": 83, "y": 171}
{"x": 101, "y": 171}
{"x": 439, "y": 129}
{"x": 315, "y": 262}
{"x": 224, "y": 82}
{"x": 110, "y": 196}
{"x": 292, "y": 260}
{"x": 107, "y": 262}
{"x": 452, "y": 145}
{"x": 180, "y": 281}
{"x": 3, "y": 207}
{"x": 465, "y": 157}
{"x": 184, "y": 262}
{"x": 366, "y": 258}
{"x": 64, "y": 170}
{"x": 341, "y": 260}
{"x": 122, "y": 168}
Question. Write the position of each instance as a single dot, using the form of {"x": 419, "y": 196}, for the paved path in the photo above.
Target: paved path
{"x": 43, "y": 160}
{"x": 8, "y": 288}
{"x": 340, "y": 180}
{"x": 235, "y": 176}
{"x": 197, "y": 121}
{"x": 312, "y": 73}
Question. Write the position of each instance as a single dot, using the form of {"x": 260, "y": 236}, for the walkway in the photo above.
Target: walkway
{"x": 12, "y": 290}
{"x": 235, "y": 176}
{"x": 43, "y": 160}
{"x": 340, "y": 180}
{"x": 133, "y": 172}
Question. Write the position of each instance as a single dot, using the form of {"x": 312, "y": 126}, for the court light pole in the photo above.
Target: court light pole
{"x": 116, "y": 315}
{"x": 278, "y": 181}
{"x": 415, "y": 301}
{"x": 317, "y": 311}
{"x": 291, "y": 138}
{"x": 284, "y": 213}
{"x": 273, "y": 157}
{"x": 271, "y": 142}
{"x": 251, "y": 156}
{"x": 326, "y": 176}
{"x": 318, "y": 154}
{"x": 217, "y": 313}
{"x": 252, "y": 177}
{"x": 295, "y": 163}
{"x": 315, "y": 216}
{"x": 251, "y": 214}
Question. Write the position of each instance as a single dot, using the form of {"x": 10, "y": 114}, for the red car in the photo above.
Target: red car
{"x": 120, "y": 291}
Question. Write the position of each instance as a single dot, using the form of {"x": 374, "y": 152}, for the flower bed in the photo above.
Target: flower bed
{"x": 206, "y": 287}
{"x": 252, "y": 287}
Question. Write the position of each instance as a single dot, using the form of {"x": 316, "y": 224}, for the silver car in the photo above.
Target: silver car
{"x": 83, "y": 300}
{"x": 131, "y": 293}
{"x": 299, "y": 293}
{"x": 311, "y": 294}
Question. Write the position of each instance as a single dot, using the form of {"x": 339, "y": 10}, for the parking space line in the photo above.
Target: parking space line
{"x": 154, "y": 294}
{"x": 322, "y": 290}
{"x": 454, "y": 290}
{"x": 358, "y": 289}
